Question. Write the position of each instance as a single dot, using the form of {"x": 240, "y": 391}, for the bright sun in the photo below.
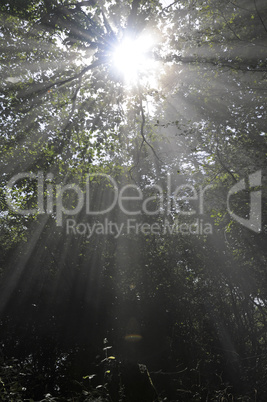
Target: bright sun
{"x": 132, "y": 58}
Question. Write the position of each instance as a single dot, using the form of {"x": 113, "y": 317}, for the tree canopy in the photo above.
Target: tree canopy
{"x": 133, "y": 200}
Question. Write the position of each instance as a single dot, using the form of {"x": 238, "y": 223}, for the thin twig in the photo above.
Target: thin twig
{"x": 256, "y": 8}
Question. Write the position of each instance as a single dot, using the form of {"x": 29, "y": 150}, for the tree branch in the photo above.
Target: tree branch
{"x": 256, "y": 8}
{"x": 203, "y": 60}
{"x": 41, "y": 89}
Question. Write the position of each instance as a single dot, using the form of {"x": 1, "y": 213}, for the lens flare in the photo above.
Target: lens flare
{"x": 133, "y": 338}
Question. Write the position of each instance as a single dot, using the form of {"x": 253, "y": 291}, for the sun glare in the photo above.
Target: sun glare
{"x": 132, "y": 58}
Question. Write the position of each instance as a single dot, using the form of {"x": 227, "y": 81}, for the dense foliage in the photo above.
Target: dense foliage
{"x": 88, "y": 313}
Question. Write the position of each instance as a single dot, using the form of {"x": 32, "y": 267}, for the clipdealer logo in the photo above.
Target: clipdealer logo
{"x": 254, "y": 222}
{"x": 130, "y": 199}
{"x": 50, "y": 200}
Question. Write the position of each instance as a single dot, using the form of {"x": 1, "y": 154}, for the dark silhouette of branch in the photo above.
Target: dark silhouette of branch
{"x": 170, "y": 5}
{"x": 144, "y": 140}
{"x": 40, "y": 89}
{"x": 224, "y": 166}
{"x": 257, "y": 10}
{"x": 217, "y": 62}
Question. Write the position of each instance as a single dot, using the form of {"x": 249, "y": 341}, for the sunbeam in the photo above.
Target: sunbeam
{"x": 133, "y": 161}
